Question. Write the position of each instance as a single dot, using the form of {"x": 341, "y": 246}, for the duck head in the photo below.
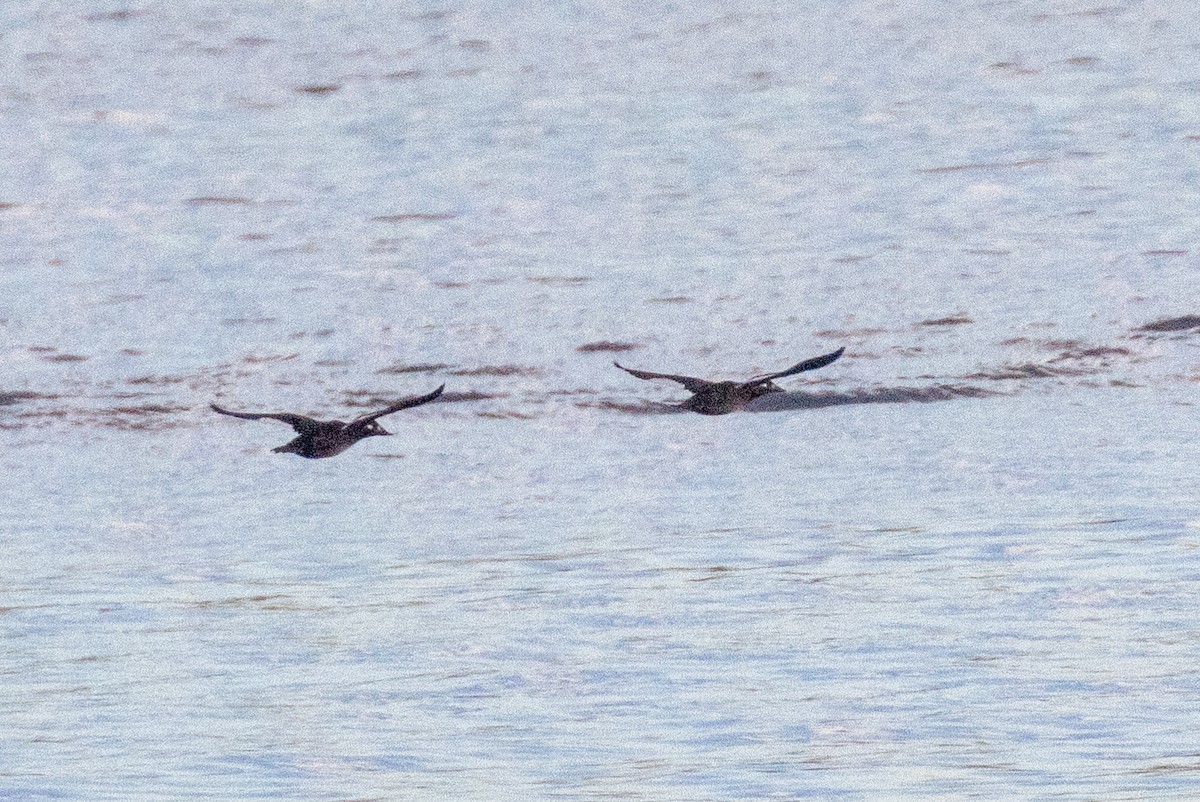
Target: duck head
{"x": 761, "y": 388}
{"x": 371, "y": 429}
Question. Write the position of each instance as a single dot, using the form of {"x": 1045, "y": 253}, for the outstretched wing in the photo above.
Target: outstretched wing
{"x": 300, "y": 423}
{"x": 415, "y": 401}
{"x": 808, "y": 364}
{"x": 692, "y": 384}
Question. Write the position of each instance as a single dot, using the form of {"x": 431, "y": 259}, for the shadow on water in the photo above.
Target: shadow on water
{"x": 784, "y": 402}
{"x": 777, "y": 402}
{"x": 1171, "y": 324}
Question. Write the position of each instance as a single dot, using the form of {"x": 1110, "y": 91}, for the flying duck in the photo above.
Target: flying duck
{"x": 719, "y": 398}
{"x": 328, "y": 438}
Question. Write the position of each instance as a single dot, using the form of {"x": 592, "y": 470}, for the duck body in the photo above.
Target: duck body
{"x": 325, "y": 439}
{"x": 721, "y": 398}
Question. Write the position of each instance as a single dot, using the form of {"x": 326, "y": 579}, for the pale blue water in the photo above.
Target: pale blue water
{"x": 543, "y": 589}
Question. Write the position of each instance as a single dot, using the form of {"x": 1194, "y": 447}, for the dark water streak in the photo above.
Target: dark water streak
{"x": 1067, "y": 359}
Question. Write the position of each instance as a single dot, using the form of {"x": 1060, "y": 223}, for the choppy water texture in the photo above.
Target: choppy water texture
{"x": 542, "y": 587}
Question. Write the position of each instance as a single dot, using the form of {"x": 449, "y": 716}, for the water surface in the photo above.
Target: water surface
{"x": 958, "y": 563}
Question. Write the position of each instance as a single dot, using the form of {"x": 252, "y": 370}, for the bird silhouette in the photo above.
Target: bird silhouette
{"x": 328, "y": 438}
{"x": 719, "y": 398}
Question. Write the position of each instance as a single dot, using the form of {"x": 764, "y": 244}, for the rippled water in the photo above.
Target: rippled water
{"x": 958, "y": 563}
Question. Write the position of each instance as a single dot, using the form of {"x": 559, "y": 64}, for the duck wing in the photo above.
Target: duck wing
{"x": 692, "y": 384}
{"x": 301, "y": 423}
{"x": 406, "y": 403}
{"x": 808, "y": 364}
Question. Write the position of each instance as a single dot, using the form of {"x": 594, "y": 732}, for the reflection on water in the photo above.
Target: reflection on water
{"x": 542, "y": 586}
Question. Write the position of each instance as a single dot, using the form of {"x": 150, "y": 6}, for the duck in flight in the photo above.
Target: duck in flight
{"x": 328, "y": 438}
{"x": 718, "y": 398}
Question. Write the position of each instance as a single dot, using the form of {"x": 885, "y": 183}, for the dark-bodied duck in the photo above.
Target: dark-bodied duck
{"x": 328, "y": 438}
{"x": 719, "y": 398}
